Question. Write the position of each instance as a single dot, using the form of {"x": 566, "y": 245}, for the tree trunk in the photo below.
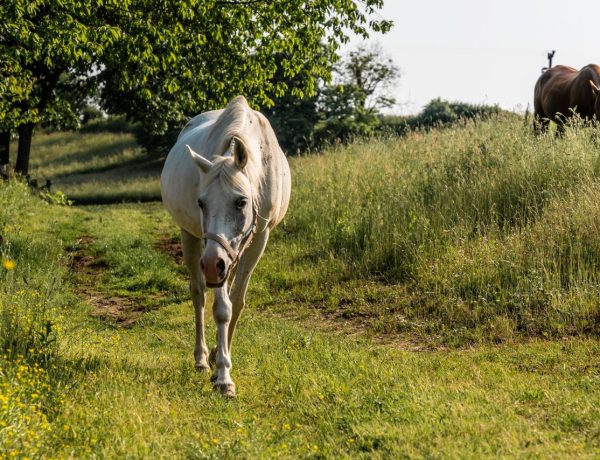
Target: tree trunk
{"x": 4, "y": 153}
{"x": 25, "y": 135}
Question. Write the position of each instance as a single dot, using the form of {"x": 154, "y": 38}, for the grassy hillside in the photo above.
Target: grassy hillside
{"x": 101, "y": 167}
{"x": 485, "y": 232}
{"x": 119, "y": 379}
{"x": 456, "y": 236}
{"x": 478, "y": 244}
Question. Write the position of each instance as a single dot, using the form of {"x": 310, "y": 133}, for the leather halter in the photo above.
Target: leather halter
{"x": 247, "y": 237}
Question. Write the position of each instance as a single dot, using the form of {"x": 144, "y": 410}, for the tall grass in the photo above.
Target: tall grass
{"x": 521, "y": 261}
{"x": 31, "y": 274}
{"x": 32, "y": 293}
{"x": 488, "y": 225}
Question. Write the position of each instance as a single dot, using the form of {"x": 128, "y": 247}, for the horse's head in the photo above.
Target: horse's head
{"x": 225, "y": 200}
{"x": 596, "y": 93}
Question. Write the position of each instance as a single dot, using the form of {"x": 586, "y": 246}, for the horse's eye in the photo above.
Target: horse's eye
{"x": 200, "y": 204}
{"x": 240, "y": 203}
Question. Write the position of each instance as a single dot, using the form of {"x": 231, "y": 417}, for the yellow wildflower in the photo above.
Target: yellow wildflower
{"x": 9, "y": 264}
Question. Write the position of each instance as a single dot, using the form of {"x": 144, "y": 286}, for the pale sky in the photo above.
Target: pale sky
{"x": 484, "y": 52}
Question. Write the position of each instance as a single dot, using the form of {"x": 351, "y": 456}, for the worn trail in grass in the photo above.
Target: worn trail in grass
{"x": 132, "y": 391}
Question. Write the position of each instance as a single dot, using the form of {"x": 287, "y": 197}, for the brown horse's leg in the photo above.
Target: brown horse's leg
{"x": 540, "y": 123}
{"x": 560, "y": 126}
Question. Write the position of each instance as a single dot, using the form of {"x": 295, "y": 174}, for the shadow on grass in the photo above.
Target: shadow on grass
{"x": 75, "y": 153}
{"x": 118, "y": 198}
{"x": 141, "y": 160}
{"x": 134, "y": 182}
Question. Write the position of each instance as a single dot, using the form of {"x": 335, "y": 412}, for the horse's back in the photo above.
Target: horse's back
{"x": 582, "y": 95}
{"x": 563, "y": 89}
{"x": 552, "y": 91}
{"x": 277, "y": 178}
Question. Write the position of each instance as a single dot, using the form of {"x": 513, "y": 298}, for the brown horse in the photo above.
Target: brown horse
{"x": 562, "y": 91}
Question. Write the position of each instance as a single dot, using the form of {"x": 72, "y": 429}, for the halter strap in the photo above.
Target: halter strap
{"x": 223, "y": 242}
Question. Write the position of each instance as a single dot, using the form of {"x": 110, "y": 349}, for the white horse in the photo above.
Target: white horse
{"x": 226, "y": 182}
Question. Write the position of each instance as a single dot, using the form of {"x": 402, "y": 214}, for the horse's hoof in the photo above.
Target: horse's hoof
{"x": 226, "y": 389}
{"x": 202, "y": 367}
{"x": 212, "y": 357}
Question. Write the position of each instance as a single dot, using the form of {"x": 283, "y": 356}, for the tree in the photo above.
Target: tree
{"x": 359, "y": 92}
{"x": 44, "y": 48}
{"x": 293, "y": 115}
{"x": 370, "y": 74}
{"x": 437, "y": 112}
{"x": 225, "y": 48}
{"x": 160, "y": 62}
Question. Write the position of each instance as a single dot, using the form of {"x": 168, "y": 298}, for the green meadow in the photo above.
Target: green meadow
{"x": 429, "y": 296}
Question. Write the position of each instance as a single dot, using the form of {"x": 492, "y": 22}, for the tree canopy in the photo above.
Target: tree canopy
{"x": 160, "y": 62}
{"x": 361, "y": 89}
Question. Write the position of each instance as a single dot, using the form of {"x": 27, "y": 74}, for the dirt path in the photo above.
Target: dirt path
{"x": 119, "y": 310}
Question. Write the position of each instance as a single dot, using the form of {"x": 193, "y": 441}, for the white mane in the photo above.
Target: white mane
{"x": 235, "y": 128}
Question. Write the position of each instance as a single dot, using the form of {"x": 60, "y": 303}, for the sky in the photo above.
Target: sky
{"x": 485, "y": 51}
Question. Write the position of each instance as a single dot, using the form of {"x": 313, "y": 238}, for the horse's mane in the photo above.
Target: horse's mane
{"x": 234, "y": 122}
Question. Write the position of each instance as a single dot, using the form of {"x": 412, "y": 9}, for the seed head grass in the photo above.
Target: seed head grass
{"x": 488, "y": 230}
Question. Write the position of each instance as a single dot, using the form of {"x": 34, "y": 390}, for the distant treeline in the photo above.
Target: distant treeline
{"x": 307, "y": 130}
{"x": 438, "y": 113}
{"x": 298, "y": 134}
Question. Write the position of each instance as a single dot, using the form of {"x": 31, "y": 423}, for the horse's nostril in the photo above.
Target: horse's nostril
{"x": 202, "y": 264}
{"x": 221, "y": 266}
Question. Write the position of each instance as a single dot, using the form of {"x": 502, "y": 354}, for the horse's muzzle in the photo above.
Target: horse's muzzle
{"x": 215, "y": 270}
{"x": 216, "y": 285}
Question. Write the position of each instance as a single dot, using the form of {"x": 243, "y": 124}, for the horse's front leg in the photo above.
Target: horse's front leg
{"x": 192, "y": 249}
{"x": 247, "y": 264}
{"x": 540, "y": 123}
{"x": 222, "y": 315}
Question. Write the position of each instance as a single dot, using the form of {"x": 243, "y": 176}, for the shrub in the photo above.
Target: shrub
{"x": 112, "y": 124}
{"x": 437, "y": 113}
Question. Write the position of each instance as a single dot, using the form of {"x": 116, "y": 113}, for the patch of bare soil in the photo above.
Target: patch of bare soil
{"x": 343, "y": 321}
{"x": 170, "y": 246}
{"x": 122, "y": 311}
{"x": 358, "y": 326}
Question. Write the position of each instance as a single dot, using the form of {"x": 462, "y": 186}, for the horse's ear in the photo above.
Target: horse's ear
{"x": 595, "y": 89}
{"x": 240, "y": 153}
{"x": 202, "y": 162}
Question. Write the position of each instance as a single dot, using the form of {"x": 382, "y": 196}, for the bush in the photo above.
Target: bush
{"x": 112, "y": 124}
{"x": 90, "y": 113}
{"x": 436, "y": 114}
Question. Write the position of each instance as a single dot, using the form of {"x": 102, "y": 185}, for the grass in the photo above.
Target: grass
{"x": 302, "y": 392}
{"x": 485, "y": 233}
{"x": 452, "y": 237}
{"x": 32, "y": 299}
{"x": 96, "y": 168}
{"x": 478, "y": 245}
